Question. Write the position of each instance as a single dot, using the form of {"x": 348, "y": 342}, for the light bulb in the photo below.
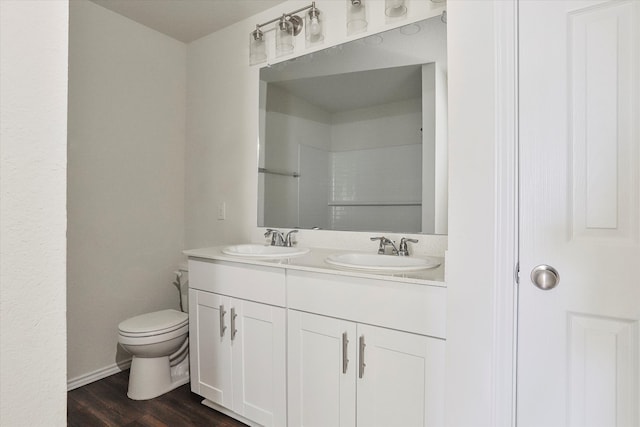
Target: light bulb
{"x": 395, "y": 8}
{"x": 314, "y": 26}
{"x": 356, "y": 17}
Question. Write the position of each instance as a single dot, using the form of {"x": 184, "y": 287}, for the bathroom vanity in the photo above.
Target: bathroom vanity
{"x": 296, "y": 341}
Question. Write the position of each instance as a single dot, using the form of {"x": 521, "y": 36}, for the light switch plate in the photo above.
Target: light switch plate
{"x": 222, "y": 210}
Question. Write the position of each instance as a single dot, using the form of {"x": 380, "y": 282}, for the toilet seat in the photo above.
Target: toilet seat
{"x": 159, "y": 347}
{"x": 153, "y": 324}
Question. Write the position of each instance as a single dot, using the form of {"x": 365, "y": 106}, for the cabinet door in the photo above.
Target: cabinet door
{"x": 258, "y": 342}
{"x": 209, "y": 346}
{"x": 402, "y": 381}
{"x": 322, "y": 371}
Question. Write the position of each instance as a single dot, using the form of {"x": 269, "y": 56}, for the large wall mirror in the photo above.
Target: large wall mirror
{"x": 354, "y": 137}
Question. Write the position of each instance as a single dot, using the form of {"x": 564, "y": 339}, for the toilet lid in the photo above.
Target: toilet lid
{"x": 154, "y": 322}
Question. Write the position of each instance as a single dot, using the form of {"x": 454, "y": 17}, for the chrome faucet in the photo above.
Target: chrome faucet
{"x": 287, "y": 240}
{"x": 277, "y": 238}
{"x": 384, "y": 242}
{"x": 404, "y": 249}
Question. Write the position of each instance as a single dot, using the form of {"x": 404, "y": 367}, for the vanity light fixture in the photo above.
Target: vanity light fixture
{"x": 356, "y": 17}
{"x": 313, "y": 28}
{"x": 257, "y": 47}
{"x": 288, "y": 26}
{"x": 395, "y": 8}
{"x": 285, "y": 41}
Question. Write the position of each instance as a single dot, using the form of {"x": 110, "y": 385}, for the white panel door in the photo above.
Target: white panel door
{"x": 578, "y": 345}
{"x": 210, "y": 349}
{"x": 322, "y": 371}
{"x": 258, "y": 342}
{"x": 400, "y": 379}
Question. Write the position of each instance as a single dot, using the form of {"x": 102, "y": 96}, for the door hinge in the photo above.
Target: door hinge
{"x": 516, "y": 274}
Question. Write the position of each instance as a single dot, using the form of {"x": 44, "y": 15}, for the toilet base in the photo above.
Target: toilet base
{"x": 152, "y": 377}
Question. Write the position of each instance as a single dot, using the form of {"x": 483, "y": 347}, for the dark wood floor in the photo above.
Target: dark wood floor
{"x": 105, "y": 403}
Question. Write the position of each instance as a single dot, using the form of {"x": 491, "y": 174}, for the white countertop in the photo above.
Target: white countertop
{"x": 315, "y": 261}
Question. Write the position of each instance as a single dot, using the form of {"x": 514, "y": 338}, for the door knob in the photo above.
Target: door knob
{"x": 545, "y": 277}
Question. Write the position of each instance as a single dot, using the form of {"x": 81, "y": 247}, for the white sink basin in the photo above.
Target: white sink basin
{"x": 375, "y": 262}
{"x": 263, "y": 251}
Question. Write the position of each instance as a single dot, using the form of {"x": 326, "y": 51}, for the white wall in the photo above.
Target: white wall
{"x": 127, "y": 94}
{"x": 429, "y": 166}
{"x": 33, "y": 133}
{"x": 441, "y": 134}
{"x": 222, "y": 131}
{"x": 481, "y": 256}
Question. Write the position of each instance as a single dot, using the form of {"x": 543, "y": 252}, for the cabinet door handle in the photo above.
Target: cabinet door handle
{"x": 345, "y": 359}
{"x": 222, "y": 326}
{"x": 233, "y": 323}
{"x": 362, "y": 364}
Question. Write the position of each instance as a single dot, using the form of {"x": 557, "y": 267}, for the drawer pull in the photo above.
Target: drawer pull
{"x": 234, "y": 331}
{"x": 222, "y": 326}
{"x": 361, "y": 364}
{"x": 345, "y": 359}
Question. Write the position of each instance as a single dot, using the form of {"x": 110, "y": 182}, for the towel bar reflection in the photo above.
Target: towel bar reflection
{"x": 292, "y": 174}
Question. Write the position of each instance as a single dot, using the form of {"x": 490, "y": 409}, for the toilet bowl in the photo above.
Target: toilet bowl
{"x": 160, "y": 349}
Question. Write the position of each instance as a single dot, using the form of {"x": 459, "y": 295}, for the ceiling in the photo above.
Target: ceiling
{"x": 351, "y": 91}
{"x": 187, "y": 20}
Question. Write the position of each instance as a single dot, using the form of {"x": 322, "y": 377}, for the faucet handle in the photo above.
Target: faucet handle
{"x": 287, "y": 240}
{"x": 270, "y": 232}
{"x": 403, "y": 250}
{"x": 383, "y": 243}
{"x": 381, "y": 248}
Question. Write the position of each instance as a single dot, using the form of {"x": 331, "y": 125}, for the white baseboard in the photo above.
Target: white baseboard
{"x": 98, "y": 374}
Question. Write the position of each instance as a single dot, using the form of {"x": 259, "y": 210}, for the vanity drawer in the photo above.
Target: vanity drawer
{"x": 246, "y": 281}
{"x": 408, "y": 307}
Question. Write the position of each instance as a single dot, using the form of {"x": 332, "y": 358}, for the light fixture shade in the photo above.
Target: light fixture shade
{"x": 257, "y": 47}
{"x": 395, "y": 8}
{"x": 314, "y": 29}
{"x": 285, "y": 41}
{"x": 356, "y": 17}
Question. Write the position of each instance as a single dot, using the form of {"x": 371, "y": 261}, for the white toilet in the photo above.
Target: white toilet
{"x": 160, "y": 348}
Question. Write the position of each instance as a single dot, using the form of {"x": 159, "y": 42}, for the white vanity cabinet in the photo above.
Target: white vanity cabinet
{"x": 402, "y": 378}
{"x": 346, "y": 373}
{"x": 238, "y": 339}
{"x": 210, "y": 349}
{"x": 277, "y": 345}
{"x": 321, "y": 366}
